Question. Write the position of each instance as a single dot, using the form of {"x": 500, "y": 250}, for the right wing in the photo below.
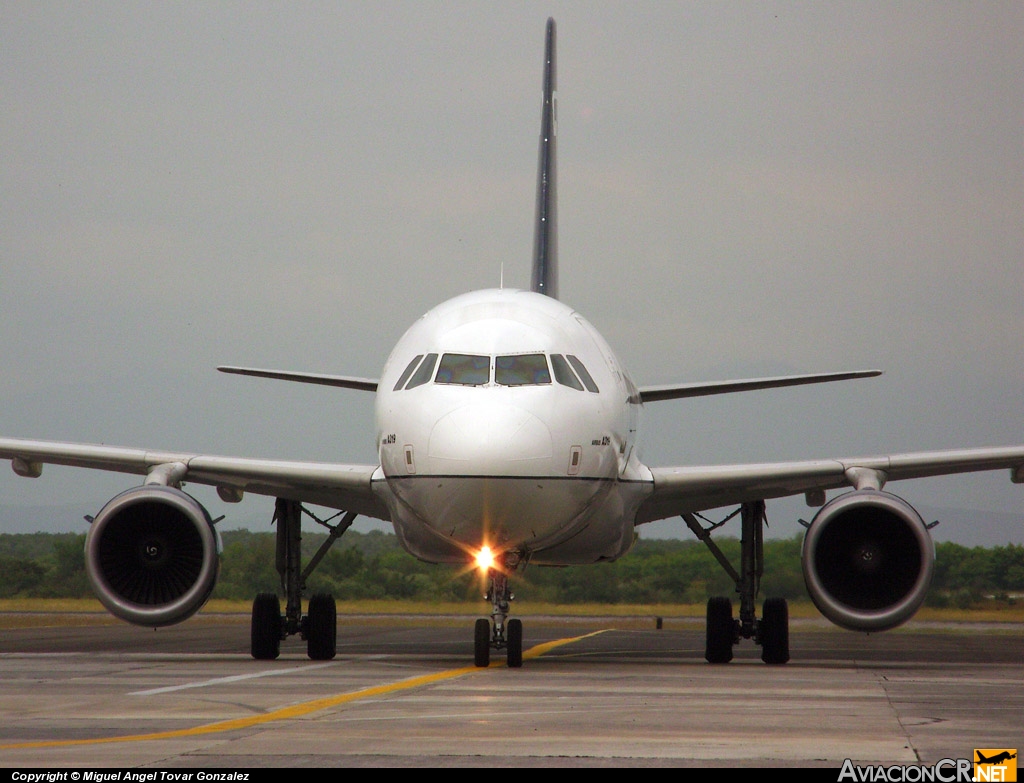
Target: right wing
{"x": 334, "y": 485}
{"x": 344, "y": 381}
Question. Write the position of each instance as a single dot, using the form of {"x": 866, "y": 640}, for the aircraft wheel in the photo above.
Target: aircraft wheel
{"x": 515, "y": 644}
{"x": 266, "y": 627}
{"x": 721, "y": 632}
{"x": 321, "y": 627}
{"x": 482, "y": 643}
{"x": 774, "y": 631}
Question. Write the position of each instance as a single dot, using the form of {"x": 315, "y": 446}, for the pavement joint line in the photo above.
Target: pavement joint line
{"x": 233, "y": 678}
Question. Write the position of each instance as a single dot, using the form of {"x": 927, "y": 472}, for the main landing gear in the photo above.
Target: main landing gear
{"x": 318, "y": 627}
{"x": 723, "y": 632}
{"x": 496, "y": 633}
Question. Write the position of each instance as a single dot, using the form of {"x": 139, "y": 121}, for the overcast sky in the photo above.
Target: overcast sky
{"x": 744, "y": 189}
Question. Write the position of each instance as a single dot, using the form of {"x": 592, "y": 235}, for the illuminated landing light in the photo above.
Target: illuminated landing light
{"x": 484, "y": 559}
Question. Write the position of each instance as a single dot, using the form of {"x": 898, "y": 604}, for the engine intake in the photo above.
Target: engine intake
{"x": 152, "y": 556}
{"x": 868, "y": 560}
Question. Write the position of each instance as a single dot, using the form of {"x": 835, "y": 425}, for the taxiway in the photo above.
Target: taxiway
{"x": 404, "y": 693}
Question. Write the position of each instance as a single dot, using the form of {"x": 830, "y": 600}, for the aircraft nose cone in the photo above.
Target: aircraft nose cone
{"x": 489, "y": 439}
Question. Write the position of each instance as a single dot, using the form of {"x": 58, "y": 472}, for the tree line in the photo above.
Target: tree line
{"x": 373, "y": 566}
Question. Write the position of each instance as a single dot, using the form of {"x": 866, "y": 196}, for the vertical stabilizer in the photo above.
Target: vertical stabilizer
{"x": 544, "y": 279}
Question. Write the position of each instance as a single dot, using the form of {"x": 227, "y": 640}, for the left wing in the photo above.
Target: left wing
{"x": 675, "y": 391}
{"x": 685, "y": 490}
{"x": 335, "y": 485}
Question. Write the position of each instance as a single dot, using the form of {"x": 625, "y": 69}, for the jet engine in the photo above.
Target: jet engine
{"x": 152, "y": 556}
{"x": 868, "y": 560}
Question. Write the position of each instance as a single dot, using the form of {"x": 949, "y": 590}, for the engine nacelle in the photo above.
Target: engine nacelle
{"x": 152, "y": 556}
{"x": 868, "y": 560}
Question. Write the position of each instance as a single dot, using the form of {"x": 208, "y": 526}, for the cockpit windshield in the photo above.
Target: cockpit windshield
{"x": 520, "y": 369}
{"x": 529, "y": 369}
{"x": 588, "y": 381}
{"x": 563, "y": 374}
{"x": 408, "y": 371}
{"x": 424, "y": 372}
{"x": 464, "y": 369}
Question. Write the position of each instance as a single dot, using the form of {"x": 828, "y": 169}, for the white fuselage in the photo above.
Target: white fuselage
{"x": 505, "y": 420}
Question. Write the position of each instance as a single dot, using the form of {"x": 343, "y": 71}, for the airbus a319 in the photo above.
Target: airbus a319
{"x": 507, "y": 434}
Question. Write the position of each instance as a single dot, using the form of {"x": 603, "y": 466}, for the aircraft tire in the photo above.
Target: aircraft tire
{"x": 482, "y": 643}
{"x": 721, "y": 633}
{"x": 321, "y": 627}
{"x": 515, "y": 644}
{"x": 265, "y": 636}
{"x": 774, "y": 631}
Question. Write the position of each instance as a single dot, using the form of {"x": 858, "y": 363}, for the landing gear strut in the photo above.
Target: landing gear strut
{"x": 319, "y": 626}
{"x": 496, "y": 633}
{"x": 723, "y": 632}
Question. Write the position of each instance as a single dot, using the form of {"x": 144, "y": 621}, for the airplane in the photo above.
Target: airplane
{"x": 507, "y": 432}
{"x": 1004, "y": 756}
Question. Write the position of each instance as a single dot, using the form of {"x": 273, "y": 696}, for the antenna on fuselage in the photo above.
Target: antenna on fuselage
{"x": 544, "y": 278}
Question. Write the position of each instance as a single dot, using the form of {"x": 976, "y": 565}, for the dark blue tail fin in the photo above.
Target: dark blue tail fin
{"x": 544, "y": 279}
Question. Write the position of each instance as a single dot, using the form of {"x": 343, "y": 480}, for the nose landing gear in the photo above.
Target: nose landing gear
{"x": 496, "y": 633}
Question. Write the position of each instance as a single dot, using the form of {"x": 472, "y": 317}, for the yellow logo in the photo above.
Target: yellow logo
{"x": 995, "y": 764}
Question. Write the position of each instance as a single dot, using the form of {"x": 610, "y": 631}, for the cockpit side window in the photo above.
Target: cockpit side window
{"x": 530, "y": 369}
{"x": 585, "y": 376}
{"x": 408, "y": 372}
{"x": 464, "y": 369}
{"x": 563, "y": 373}
{"x": 424, "y": 373}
